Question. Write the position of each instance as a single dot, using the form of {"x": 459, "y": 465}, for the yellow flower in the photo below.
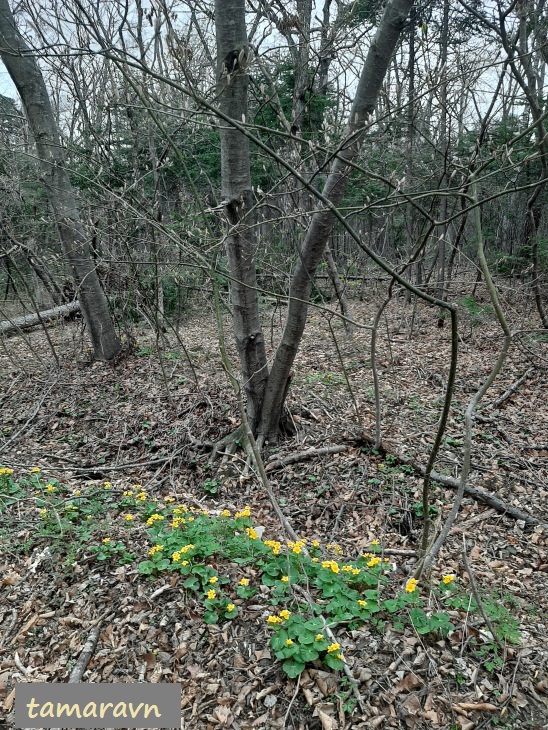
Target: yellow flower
{"x": 6, "y": 471}
{"x": 244, "y": 582}
{"x": 346, "y": 568}
{"x": 191, "y": 519}
{"x": 77, "y": 493}
{"x": 211, "y": 594}
{"x": 225, "y": 513}
{"x": 230, "y": 607}
{"x": 362, "y": 603}
{"x": 273, "y": 620}
{"x": 184, "y": 562}
{"x": 155, "y": 549}
{"x": 298, "y": 546}
{"x": 285, "y": 614}
{"x": 43, "y": 512}
{"x": 88, "y": 517}
{"x": 332, "y": 565}
{"x": 251, "y": 533}
{"x": 167, "y": 500}
{"x": 315, "y": 543}
{"x": 315, "y": 560}
{"x": 50, "y": 488}
{"x": 356, "y": 571}
{"x": 288, "y": 642}
{"x": 213, "y": 579}
{"x": 154, "y": 518}
{"x": 285, "y": 579}
{"x": 186, "y": 548}
{"x": 34, "y": 470}
{"x": 176, "y": 557}
{"x": 319, "y": 637}
{"x": 107, "y": 485}
{"x": 128, "y": 518}
{"x": 448, "y": 579}
{"x": 374, "y": 542}
{"x": 245, "y": 512}
{"x": 411, "y": 585}
{"x": 373, "y": 562}
{"x": 339, "y": 656}
{"x": 127, "y": 493}
{"x": 332, "y": 648}
{"x": 106, "y": 540}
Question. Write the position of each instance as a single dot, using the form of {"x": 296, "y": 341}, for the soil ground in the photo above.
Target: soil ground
{"x": 141, "y": 421}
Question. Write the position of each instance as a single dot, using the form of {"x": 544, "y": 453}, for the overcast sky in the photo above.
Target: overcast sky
{"x": 6, "y": 86}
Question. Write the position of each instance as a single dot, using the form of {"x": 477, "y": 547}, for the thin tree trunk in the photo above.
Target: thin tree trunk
{"x": 374, "y": 70}
{"x": 25, "y": 74}
{"x": 233, "y": 82}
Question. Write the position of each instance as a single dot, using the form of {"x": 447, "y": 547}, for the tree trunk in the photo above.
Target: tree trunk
{"x": 31, "y": 320}
{"x": 233, "y": 82}
{"x": 25, "y": 74}
{"x": 374, "y": 70}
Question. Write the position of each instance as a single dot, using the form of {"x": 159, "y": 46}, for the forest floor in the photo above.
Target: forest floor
{"x": 139, "y": 422}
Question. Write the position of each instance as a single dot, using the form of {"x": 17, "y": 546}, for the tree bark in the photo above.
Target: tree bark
{"x": 233, "y": 82}
{"x": 27, "y": 77}
{"x": 374, "y": 70}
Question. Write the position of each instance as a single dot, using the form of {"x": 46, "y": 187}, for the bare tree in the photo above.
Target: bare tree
{"x": 27, "y": 77}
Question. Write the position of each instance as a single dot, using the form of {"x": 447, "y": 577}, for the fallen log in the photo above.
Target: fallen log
{"x": 31, "y": 320}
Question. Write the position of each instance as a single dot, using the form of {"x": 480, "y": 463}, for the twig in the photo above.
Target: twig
{"x": 475, "y": 592}
{"x": 507, "y": 393}
{"x": 292, "y": 700}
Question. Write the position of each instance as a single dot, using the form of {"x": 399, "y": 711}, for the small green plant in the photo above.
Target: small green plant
{"x": 110, "y": 549}
{"x": 324, "y": 378}
{"x": 211, "y": 486}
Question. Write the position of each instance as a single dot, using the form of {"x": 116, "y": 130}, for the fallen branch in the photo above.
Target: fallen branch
{"x": 83, "y": 660}
{"x": 507, "y": 393}
{"x": 304, "y": 455}
{"x": 31, "y": 320}
{"x": 86, "y": 654}
{"x": 478, "y": 494}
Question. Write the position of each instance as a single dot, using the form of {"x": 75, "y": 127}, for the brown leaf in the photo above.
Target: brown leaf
{"x": 11, "y": 579}
{"x": 223, "y": 715}
{"x": 409, "y": 683}
{"x": 327, "y": 720}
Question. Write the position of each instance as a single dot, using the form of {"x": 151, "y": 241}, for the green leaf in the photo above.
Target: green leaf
{"x": 419, "y": 619}
{"x": 192, "y": 583}
{"x": 314, "y": 624}
{"x": 293, "y": 667}
{"x": 308, "y": 653}
{"x": 332, "y": 661}
{"x": 146, "y": 567}
{"x": 211, "y": 617}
